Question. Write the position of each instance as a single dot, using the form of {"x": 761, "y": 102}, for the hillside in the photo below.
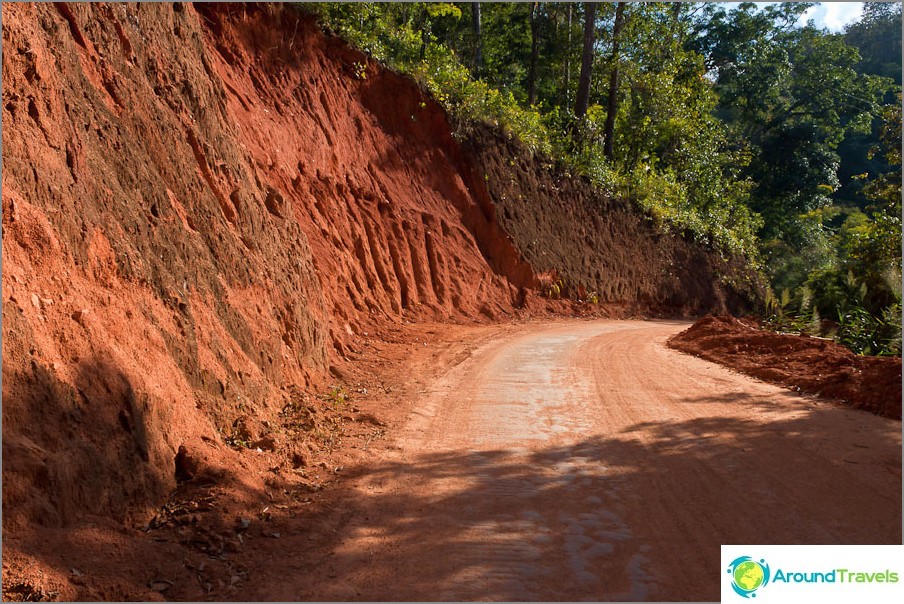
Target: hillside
{"x": 208, "y": 208}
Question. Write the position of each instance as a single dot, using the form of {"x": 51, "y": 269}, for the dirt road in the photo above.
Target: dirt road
{"x": 585, "y": 460}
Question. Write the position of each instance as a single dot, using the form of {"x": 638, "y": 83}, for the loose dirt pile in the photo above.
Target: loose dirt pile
{"x": 810, "y": 365}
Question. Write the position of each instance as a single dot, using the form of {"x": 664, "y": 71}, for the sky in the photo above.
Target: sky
{"x": 833, "y": 15}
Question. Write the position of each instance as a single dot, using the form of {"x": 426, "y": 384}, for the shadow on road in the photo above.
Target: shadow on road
{"x": 605, "y": 518}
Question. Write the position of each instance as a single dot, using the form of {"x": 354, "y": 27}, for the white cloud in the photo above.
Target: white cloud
{"x": 833, "y": 15}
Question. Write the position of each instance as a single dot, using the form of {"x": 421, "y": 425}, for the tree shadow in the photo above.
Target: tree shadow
{"x": 73, "y": 447}
{"x": 638, "y": 514}
{"x": 71, "y": 450}
{"x": 606, "y": 518}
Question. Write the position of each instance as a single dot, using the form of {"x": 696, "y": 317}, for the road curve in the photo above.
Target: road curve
{"x": 587, "y": 461}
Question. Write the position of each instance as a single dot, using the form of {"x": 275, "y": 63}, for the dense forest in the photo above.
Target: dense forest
{"x": 734, "y": 125}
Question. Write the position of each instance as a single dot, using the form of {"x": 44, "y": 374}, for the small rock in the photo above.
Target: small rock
{"x": 267, "y": 443}
{"x": 301, "y": 457}
{"x": 233, "y": 546}
{"x": 47, "y": 301}
{"x": 242, "y": 524}
{"x": 246, "y": 428}
{"x": 186, "y": 465}
{"x": 79, "y": 315}
{"x": 160, "y": 585}
{"x": 36, "y": 301}
{"x": 275, "y": 203}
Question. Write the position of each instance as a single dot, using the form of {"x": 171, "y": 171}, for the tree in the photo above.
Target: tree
{"x": 877, "y": 35}
{"x": 582, "y": 101}
{"x": 566, "y": 98}
{"x": 884, "y": 192}
{"x": 534, "y": 52}
{"x": 478, "y": 39}
{"x": 608, "y": 131}
{"x": 791, "y": 95}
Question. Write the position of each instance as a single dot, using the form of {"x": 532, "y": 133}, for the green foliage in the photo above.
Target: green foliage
{"x": 550, "y": 285}
{"x": 793, "y": 94}
{"x": 866, "y": 333}
{"x": 337, "y": 397}
{"x": 877, "y": 37}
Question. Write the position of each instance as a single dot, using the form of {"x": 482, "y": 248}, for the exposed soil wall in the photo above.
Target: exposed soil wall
{"x": 596, "y": 243}
{"x": 206, "y": 207}
{"x": 201, "y": 209}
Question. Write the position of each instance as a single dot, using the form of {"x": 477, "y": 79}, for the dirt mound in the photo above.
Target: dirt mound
{"x": 811, "y": 365}
{"x": 593, "y": 242}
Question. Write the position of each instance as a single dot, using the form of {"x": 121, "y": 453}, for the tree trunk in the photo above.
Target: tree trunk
{"x": 534, "y": 53}
{"x": 567, "y": 96}
{"x": 609, "y": 129}
{"x": 478, "y": 39}
{"x": 583, "y": 98}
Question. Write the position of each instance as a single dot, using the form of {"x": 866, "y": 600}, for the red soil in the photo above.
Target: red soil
{"x": 202, "y": 208}
{"x": 210, "y": 216}
{"x": 810, "y": 365}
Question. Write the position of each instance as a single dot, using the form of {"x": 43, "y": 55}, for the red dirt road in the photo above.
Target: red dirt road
{"x": 583, "y": 460}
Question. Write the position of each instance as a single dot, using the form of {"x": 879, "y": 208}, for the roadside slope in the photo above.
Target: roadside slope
{"x": 595, "y": 242}
{"x": 209, "y": 212}
{"x": 199, "y": 214}
{"x": 805, "y": 364}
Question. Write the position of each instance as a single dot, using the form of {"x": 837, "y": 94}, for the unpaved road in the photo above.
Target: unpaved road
{"x": 585, "y": 460}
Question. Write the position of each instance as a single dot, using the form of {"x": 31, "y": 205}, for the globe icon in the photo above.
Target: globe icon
{"x": 749, "y": 575}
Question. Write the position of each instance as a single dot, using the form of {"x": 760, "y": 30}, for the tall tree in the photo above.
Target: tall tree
{"x": 878, "y": 38}
{"x": 583, "y": 98}
{"x": 609, "y": 129}
{"x": 534, "y": 53}
{"x": 566, "y": 97}
{"x": 478, "y": 39}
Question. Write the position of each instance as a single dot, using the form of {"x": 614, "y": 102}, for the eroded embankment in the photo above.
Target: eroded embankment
{"x": 593, "y": 242}
{"x": 200, "y": 210}
{"x": 205, "y": 208}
